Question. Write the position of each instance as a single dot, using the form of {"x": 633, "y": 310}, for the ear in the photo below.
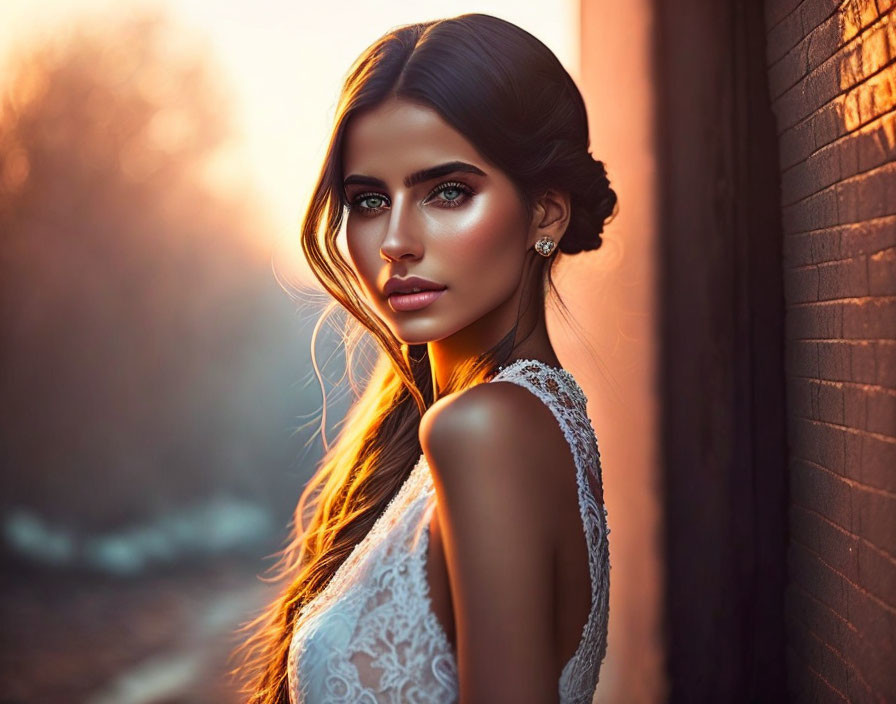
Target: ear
{"x": 550, "y": 216}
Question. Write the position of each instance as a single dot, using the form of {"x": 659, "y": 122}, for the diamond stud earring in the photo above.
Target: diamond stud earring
{"x": 545, "y": 246}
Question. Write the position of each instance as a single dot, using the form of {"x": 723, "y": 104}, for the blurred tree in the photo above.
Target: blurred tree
{"x": 141, "y": 323}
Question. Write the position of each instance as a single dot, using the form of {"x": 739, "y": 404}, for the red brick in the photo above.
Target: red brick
{"x": 778, "y": 10}
{"x": 878, "y": 469}
{"x": 862, "y": 106}
{"x": 873, "y": 663}
{"x": 875, "y": 143}
{"x": 798, "y": 141}
{"x": 828, "y": 123}
{"x": 867, "y": 237}
{"x": 809, "y": 571}
{"x": 816, "y": 616}
{"x": 798, "y": 251}
{"x": 873, "y": 651}
{"x": 826, "y": 245}
{"x": 881, "y": 405}
{"x": 891, "y": 29}
{"x": 819, "y": 171}
{"x": 814, "y": 321}
{"x": 789, "y": 69}
{"x": 824, "y": 41}
{"x": 854, "y": 407}
{"x": 827, "y": 691}
{"x": 807, "y": 614}
{"x": 800, "y": 397}
{"x": 782, "y": 37}
{"x": 819, "y": 443}
{"x": 823, "y": 83}
{"x": 870, "y": 647}
{"x": 858, "y": 690}
{"x": 843, "y": 279}
{"x": 819, "y": 490}
{"x": 863, "y": 368}
{"x": 864, "y": 197}
{"x": 885, "y": 357}
{"x": 801, "y": 358}
{"x": 832, "y": 86}
{"x": 801, "y": 285}
{"x": 867, "y": 319}
{"x": 834, "y": 360}
{"x": 800, "y": 683}
{"x": 814, "y": 212}
{"x": 789, "y": 107}
{"x": 863, "y": 56}
{"x": 876, "y": 573}
{"x": 839, "y": 548}
{"x": 848, "y": 151}
{"x": 829, "y": 405}
{"x": 870, "y": 145}
{"x": 852, "y": 452}
{"x": 855, "y": 16}
{"x": 882, "y": 273}
{"x": 835, "y": 674}
{"x": 816, "y": 12}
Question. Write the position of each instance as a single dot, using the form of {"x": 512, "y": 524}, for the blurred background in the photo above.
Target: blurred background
{"x": 160, "y": 412}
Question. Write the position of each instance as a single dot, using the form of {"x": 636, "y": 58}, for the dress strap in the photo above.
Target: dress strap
{"x": 558, "y": 389}
{"x": 560, "y": 392}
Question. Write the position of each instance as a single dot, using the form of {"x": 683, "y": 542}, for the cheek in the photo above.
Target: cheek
{"x": 487, "y": 241}
{"x": 364, "y": 258}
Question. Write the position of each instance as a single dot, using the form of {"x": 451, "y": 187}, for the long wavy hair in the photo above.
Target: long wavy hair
{"x": 508, "y": 94}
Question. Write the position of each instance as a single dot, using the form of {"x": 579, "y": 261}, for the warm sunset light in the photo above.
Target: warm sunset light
{"x": 223, "y": 444}
{"x": 867, "y": 75}
{"x": 281, "y": 65}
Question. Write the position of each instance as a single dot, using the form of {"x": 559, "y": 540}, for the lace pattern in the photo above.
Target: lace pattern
{"x": 558, "y": 389}
{"x": 371, "y": 635}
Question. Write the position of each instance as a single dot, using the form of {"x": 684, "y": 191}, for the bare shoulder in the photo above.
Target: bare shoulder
{"x": 490, "y": 468}
{"x": 498, "y": 427}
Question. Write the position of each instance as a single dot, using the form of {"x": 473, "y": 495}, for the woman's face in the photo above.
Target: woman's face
{"x": 464, "y": 229}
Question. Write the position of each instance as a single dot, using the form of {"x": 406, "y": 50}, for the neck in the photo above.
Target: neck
{"x": 446, "y": 354}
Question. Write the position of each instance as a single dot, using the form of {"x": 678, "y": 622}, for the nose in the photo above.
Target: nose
{"x": 402, "y": 239}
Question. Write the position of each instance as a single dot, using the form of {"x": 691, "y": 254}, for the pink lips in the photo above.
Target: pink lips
{"x": 413, "y": 301}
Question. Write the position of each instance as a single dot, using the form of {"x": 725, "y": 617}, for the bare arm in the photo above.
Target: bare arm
{"x": 488, "y": 459}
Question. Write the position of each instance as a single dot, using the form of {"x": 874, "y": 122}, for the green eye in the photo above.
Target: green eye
{"x": 463, "y": 192}
{"x": 373, "y": 203}
{"x": 358, "y": 202}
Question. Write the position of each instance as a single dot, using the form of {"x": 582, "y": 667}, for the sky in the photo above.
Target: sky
{"x": 285, "y": 62}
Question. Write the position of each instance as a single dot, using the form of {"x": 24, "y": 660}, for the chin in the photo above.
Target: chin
{"x": 411, "y": 339}
{"x": 419, "y": 332}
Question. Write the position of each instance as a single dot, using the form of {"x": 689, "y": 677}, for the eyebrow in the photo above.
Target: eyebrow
{"x": 418, "y": 176}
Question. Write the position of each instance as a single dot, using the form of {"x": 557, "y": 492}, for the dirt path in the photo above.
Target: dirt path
{"x": 156, "y": 639}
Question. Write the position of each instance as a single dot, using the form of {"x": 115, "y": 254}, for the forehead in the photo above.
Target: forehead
{"x": 398, "y": 137}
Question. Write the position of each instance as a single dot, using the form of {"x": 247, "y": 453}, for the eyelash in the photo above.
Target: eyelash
{"x": 465, "y": 189}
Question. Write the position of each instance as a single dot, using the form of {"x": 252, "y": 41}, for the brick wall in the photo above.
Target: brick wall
{"x": 832, "y": 83}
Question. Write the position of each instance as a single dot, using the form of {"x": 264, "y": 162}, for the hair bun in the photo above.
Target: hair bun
{"x": 591, "y": 208}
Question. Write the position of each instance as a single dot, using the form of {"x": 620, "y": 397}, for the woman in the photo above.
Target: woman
{"x": 457, "y": 543}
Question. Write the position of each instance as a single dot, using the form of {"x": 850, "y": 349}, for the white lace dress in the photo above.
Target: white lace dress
{"x": 371, "y": 637}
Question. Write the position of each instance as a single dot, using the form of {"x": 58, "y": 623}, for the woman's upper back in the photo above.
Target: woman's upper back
{"x": 371, "y": 634}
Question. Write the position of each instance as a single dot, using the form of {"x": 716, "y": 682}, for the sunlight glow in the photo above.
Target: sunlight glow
{"x": 283, "y": 63}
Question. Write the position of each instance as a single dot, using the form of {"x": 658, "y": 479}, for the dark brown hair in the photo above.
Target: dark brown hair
{"x": 508, "y": 94}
